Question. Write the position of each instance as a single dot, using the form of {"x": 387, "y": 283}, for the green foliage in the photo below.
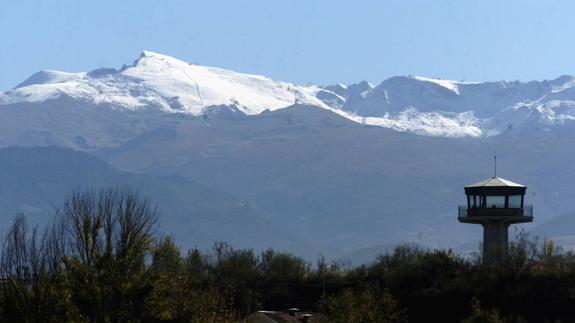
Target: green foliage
{"x": 281, "y": 276}
{"x": 365, "y": 306}
{"x": 416, "y": 272}
{"x": 101, "y": 261}
{"x": 163, "y": 301}
{"x": 480, "y": 315}
{"x": 107, "y": 236}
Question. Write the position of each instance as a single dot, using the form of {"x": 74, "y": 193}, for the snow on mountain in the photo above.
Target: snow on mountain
{"x": 448, "y": 84}
{"x": 50, "y": 77}
{"x": 156, "y": 80}
{"x": 438, "y": 124}
{"x": 461, "y": 109}
{"x": 421, "y": 105}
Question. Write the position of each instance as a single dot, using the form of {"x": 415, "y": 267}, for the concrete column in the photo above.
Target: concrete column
{"x": 495, "y": 240}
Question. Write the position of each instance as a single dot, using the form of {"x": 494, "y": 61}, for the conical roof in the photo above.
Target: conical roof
{"x": 495, "y": 182}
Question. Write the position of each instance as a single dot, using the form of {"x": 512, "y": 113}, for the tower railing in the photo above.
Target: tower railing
{"x": 464, "y": 211}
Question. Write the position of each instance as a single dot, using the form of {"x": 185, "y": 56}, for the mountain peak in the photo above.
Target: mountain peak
{"x": 150, "y": 53}
{"x": 49, "y": 77}
{"x": 161, "y": 81}
{"x": 153, "y": 59}
{"x": 564, "y": 78}
{"x": 156, "y": 55}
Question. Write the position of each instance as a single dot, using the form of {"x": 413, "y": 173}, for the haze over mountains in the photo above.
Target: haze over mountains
{"x": 312, "y": 169}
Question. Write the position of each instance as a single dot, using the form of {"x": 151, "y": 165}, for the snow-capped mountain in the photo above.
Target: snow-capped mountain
{"x": 156, "y": 80}
{"x": 231, "y": 155}
{"x": 457, "y": 109}
{"x": 161, "y": 84}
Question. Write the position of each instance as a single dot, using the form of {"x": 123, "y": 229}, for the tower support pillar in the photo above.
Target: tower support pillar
{"x": 495, "y": 240}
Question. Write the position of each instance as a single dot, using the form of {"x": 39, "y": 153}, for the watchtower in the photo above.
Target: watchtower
{"x": 495, "y": 203}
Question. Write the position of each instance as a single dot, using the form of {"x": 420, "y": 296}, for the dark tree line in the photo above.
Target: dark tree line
{"x": 101, "y": 260}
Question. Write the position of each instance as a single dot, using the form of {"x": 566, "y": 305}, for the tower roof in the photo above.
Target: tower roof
{"x": 495, "y": 182}
{"x": 495, "y": 186}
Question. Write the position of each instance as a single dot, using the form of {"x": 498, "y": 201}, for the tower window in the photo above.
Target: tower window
{"x": 515, "y": 201}
{"x": 495, "y": 202}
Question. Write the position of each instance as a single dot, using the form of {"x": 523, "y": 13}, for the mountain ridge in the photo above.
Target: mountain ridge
{"x": 421, "y": 105}
{"x": 368, "y": 165}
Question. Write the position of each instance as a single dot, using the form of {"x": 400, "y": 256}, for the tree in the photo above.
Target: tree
{"x": 281, "y": 275}
{"x": 365, "y": 306}
{"x": 165, "y": 298}
{"x": 234, "y": 272}
{"x": 480, "y": 315}
{"x": 106, "y": 237}
{"x": 33, "y": 288}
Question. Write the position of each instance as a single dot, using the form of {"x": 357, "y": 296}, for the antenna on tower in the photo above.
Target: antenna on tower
{"x": 495, "y": 163}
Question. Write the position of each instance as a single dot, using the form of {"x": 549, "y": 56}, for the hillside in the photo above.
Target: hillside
{"x": 258, "y": 162}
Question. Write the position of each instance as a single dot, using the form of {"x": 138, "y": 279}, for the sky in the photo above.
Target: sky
{"x": 307, "y": 41}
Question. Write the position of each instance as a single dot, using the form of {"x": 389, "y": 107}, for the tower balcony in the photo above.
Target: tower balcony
{"x": 499, "y": 214}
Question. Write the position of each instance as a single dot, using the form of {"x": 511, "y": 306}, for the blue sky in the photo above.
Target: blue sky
{"x": 304, "y": 41}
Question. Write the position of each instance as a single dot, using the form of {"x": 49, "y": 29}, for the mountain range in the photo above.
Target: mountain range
{"x": 340, "y": 170}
